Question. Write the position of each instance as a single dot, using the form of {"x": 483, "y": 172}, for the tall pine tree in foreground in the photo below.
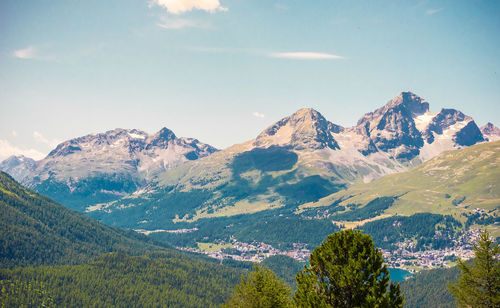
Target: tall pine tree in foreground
{"x": 479, "y": 284}
{"x": 346, "y": 271}
{"x": 261, "y": 289}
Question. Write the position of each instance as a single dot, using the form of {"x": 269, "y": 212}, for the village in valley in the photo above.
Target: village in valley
{"x": 405, "y": 256}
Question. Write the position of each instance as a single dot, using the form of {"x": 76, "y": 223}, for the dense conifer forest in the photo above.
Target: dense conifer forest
{"x": 38, "y": 231}
{"x": 119, "y": 280}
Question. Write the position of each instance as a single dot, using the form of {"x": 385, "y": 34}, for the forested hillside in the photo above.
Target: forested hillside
{"x": 163, "y": 279}
{"x": 35, "y": 230}
{"x": 430, "y": 288}
{"x": 85, "y": 263}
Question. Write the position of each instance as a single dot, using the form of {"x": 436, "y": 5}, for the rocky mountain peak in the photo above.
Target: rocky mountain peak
{"x": 406, "y": 104}
{"x": 161, "y": 138}
{"x": 165, "y": 134}
{"x": 131, "y": 138}
{"x": 16, "y": 160}
{"x": 491, "y": 132}
{"x": 304, "y": 129}
{"x": 306, "y": 114}
{"x": 17, "y": 166}
{"x": 410, "y": 101}
{"x": 489, "y": 128}
{"x": 392, "y": 127}
{"x": 443, "y": 120}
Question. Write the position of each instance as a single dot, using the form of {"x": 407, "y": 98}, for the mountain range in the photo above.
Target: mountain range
{"x": 299, "y": 159}
{"x": 131, "y": 179}
{"x": 105, "y": 166}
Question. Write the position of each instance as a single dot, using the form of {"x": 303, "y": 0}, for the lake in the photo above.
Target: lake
{"x": 398, "y": 274}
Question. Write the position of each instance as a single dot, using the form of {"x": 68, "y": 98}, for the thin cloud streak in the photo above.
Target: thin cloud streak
{"x": 258, "y": 115}
{"x": 259, "y": 52}
{"x": 303, "y": 55}
{"x": 433, "y": 11}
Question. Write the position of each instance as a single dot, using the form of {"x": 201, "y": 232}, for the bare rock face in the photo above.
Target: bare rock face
{"x": 305, "y": 129}
{"x": 469, "y": 135}
{"x": 391, "y": 128}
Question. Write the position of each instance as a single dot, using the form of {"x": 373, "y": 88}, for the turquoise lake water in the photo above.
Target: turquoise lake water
{"x": 399, "y": 274}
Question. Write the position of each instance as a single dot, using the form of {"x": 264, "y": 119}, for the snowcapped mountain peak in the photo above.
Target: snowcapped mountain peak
{"x": 405, "y": 129}
{"x": 304, "y": 129}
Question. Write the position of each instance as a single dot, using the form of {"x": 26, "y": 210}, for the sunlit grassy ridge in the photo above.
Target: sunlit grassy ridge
{"x": 453, "y": 182}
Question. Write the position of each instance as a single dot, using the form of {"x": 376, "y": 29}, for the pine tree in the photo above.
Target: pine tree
{"x": 479, "y": 283}
{"x": 261, "y": 289}
{"x": 346, "y": 271}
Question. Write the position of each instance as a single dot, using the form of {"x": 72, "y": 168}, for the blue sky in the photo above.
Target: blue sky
{"x": 223, "y": 70}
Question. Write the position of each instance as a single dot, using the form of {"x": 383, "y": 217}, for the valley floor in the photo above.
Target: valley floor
{"x": 405, "y": 256}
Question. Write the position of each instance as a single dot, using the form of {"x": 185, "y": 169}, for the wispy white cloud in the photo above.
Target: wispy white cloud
{"x": 302, "y": 55}
{"x": 182, "y": 6}
{"x": 7, "y": 150}
{"x": 41, "y": 139}
{"x": 14, "y": 133}
{"x": 258, "y": 114}
{"x": 305, "y": 55}
{"x": 433, "y": 11}
{"x": 32, "y": 52}
{"x": 180, "y": 23}
{"x": 29, "y": 52}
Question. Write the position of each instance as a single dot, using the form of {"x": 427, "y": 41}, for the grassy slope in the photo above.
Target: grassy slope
{"x": 472, "y": 172}
{"x": 238, "y": 180}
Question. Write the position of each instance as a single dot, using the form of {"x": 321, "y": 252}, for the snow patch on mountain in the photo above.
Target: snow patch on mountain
{"x": 422, "y": 121}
